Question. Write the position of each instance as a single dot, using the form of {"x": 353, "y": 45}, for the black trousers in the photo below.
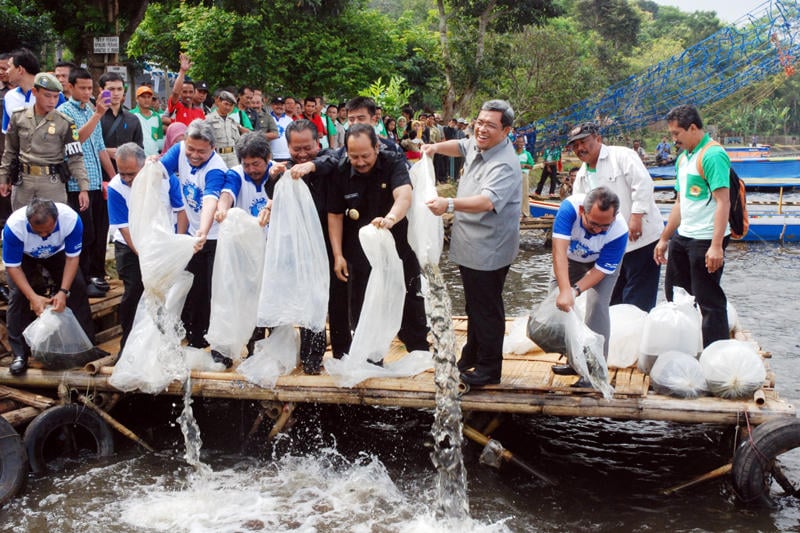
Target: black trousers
{"x": 550, "y": 170}
{"x": 414, "y": 327}
{"x": 95, "y": 233}
{"x": 131, "y": 275}
{"x": 19, "y": 314}
{"x": 197, "y": 309}
{"x": 486, "y": 319}
{"x": 686, "y": 267}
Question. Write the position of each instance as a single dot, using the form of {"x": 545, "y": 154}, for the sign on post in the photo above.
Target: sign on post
{"x": 108, "y": 44}
{"x": 119, "y": 69}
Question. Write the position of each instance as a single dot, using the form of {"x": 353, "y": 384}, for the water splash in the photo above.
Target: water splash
{"x": 451, "y": 483}
{"x": 191, "y": 432}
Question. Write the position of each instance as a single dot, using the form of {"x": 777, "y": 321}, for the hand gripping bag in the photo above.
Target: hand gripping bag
{"x": 236, "y": 283}
{"x": 163, "y": 255}
{"x": 585, "y": 353}
{"x": 294, "y": 290}
{"x": 58, "y": 341}
{"x": 380, "y": 319}
{"x": 425, "y": 230}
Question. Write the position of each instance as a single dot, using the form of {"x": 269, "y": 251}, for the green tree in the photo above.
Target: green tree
{"x": 465, "y": 30}
{"x": 283, "y": 52}
{"x": 21, "y": 25}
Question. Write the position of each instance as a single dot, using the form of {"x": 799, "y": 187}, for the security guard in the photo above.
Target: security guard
{"x": 38, "y": 142}
{"x": 226, "y": 129}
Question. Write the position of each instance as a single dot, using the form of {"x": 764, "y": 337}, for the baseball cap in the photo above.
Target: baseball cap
{"x": 144, "y": 89}
{"x": 201, "y": 86}
{"x": 227, "y": 96}
{"x": 582, "y": 131}
{"x": 278, "y": 100}
{"x": 462, "y": 121}
{"x": 45, "y": 80}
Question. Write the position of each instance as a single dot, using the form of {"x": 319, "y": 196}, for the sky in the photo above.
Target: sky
{"x": 727, "y": 10}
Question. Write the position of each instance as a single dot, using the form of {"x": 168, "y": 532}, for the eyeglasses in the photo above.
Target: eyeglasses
{"x": 487, "y": 125}
{"x": 594, "y": 225}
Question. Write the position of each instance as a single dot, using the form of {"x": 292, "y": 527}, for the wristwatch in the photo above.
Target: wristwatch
{"x": 451, "y": 205}
{"x": 577, "y": 289}
{"x": 65, "y": 291}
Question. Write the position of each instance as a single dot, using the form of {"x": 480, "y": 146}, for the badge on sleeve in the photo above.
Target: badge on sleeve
{"x": 74, "y": 132}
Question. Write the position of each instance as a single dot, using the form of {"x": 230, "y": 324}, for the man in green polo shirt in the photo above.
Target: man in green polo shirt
{"x": 152, "y": 128}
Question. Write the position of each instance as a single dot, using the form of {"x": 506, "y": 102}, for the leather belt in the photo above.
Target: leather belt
{"x": 225, "y": 150}
{"x": 38, "y": 170}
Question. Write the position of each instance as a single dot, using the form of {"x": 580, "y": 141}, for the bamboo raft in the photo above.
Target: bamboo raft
{"x": 528, "y": 387}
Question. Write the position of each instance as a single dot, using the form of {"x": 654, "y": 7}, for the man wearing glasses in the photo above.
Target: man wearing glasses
{"x": 485, "y": 235}
{"x": 589, "y": 239}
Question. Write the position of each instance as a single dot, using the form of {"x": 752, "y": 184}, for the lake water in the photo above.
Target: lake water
{"x": 354, "y": 469}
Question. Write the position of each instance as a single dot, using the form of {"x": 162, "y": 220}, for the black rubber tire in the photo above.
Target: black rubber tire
{"x": 753, "y": 461}
{"x": 13, "y": 462}
{"x": 65, "y": 416}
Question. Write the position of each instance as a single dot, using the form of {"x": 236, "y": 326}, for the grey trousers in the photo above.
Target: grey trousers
{"x": 597, "y": 299}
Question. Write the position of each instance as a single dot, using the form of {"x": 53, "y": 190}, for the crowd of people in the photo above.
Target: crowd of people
{"x": 71, "y": 156}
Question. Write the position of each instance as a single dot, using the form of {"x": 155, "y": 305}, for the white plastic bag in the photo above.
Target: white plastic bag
{"x": 163, "y": 255}
{"x": 153, "y": 356}
{"x": 733, "y": 368}
{"x": 236, "y": 283}
{"x": 627, "y": 322}
{"x": 380, "y": 319}
{"x": 58, "y": 341}
{"x": 546, "y": 325}
{"x": 678, "y": 374}
{"x": 585, "y": 353}
{"x": 425, "y": 230}
{"x": 672, "y": 326}
{"x": 296, "y": 273}
{"x": 733, "y": 317}
{"x": 272, "y": 357}
{"x": 517, "y": 340}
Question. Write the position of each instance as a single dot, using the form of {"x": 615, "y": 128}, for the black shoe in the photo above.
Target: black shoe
{"x": 478, "y": 378}
{"x": 100, "y": 283}
{"x": 563, "y": 370}
{"x": 93, "y": 292}
{"x": 219, "y": 358}
{"x": 582, "y": 383}
{"x": 19, "y": 365}
{"x": 376, "y": 363}
{"x": 464, "y": 365}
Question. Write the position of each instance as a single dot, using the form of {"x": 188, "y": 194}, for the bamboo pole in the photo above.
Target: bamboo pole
{"x": 28, "y": 398}
{"x": 114, "y": 423}
{"x": 483, "y": 440}
{"x": 93, "y": 367}
{"x": 717, "y": 472}
{"x": 21, "y": 416}
{"x": 286, "y": 414}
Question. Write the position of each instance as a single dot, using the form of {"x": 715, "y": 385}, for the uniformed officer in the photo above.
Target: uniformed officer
{"x": 372, "y": 186}
{"x": 38, "y": 141}
{"x": 226, "y": 129}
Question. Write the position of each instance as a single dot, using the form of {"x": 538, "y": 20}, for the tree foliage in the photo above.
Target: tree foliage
{"x": 283, "y": 53}
{"x": 23, "y": 26}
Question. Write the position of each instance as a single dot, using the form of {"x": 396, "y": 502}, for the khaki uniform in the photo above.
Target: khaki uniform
{"x": 41, "y": 147}
{"x": 226, "y": 133}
